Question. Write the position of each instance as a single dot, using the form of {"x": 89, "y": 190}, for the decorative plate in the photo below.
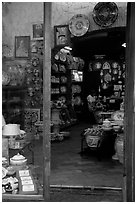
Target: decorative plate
{"x": 105, "y": 13}
{"x": 55, "y": 67}
{"x": 115, "y": 65}
{"x": 97, "y": 66}
{"x": 62, "y": 68}
{"x": 77, "y": 100}
{"x": 63, "y": 79}
{"x": 4, "y": 172}
{"x": 63, "y": 99}
{"x": 79, "y": 25}
{"x": 62, "y": 57}
{"x": 63, "y": 89}
{"x": 107, "y": 77}
{"x": 5, "y": 78}
{"x": 118, "y": 115}
{"x": 106, "y": 65}
{"x": 56, "y": 56}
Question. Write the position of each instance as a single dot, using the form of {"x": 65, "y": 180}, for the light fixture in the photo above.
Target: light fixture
{"x": 124, "y": 45}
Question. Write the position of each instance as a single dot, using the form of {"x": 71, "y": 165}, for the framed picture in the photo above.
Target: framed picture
{"x": 37, "y": 31}
{"x": 22, "y": 46}
{"x": 61, "y": 35}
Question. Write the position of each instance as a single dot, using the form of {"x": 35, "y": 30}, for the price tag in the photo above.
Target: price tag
{"x": 24, "y": 173}
{"x": 28, "y": 187}
{"x": 26, "y": 182}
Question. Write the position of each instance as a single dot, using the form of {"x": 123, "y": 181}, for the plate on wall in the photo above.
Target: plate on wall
{"x": 79, "y": 25}
{"x": 105, "y": 13}
{"x": 97, "y": 66}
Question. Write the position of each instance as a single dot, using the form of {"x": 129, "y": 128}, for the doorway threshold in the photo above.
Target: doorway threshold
{"x": 85, "y": 187}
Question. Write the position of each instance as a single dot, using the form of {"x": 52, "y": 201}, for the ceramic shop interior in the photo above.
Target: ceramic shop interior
{"x": 86, "y": 97}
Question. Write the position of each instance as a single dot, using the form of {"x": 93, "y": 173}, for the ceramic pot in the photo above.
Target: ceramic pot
{"x": 18, "y": 160}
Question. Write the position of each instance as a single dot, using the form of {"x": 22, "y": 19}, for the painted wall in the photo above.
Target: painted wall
{"x": 17, "y": 17}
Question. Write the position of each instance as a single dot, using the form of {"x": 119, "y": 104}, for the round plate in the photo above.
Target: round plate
{"x": 77, "y": 100}
{"x": 63, "y": 79}
{"x": 5, "y": 78}
{"x": 79, "y": 25}
{"x": 118, "y": 115}
{"x": 115, "y": 65}
{"x": 105, "y": 13}
{"x": 97, "y": 66}
{"x": 107, "y": 77}
{"x": 4, "y": 172}
{"x": 106, "y": 65}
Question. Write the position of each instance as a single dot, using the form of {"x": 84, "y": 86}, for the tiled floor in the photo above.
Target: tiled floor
{"x": 69, "y": 168}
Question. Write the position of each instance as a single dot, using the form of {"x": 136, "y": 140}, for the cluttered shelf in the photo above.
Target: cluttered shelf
{"x": 22, "y": 185}
{"x": 19, "y": 179}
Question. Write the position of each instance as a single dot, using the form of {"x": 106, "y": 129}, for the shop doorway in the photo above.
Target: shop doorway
{"x": 119, "y": 54}
{"x": 132, "y": 96}
{"x": 70, "y": 166}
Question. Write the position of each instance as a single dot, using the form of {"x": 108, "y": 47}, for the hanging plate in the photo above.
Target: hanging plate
{"x": 107, "y": 77}
{"x": 97, "y": 66}
{"x": 79, "y": 25}
{"x": 106, "y": 65}
{"x": 115, "y": 65}
{"x": 105, "y": 13}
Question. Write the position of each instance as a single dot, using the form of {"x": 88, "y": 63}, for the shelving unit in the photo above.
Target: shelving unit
{"x": 13, "y": 104}
{"x": 60, "y": 79}
{"x": 61, "y": 87}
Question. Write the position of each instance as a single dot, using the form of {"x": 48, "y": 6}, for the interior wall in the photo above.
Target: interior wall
{"x": 17, "y": 17}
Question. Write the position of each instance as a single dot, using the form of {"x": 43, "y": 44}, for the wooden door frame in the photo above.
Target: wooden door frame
{"x": 129, "y": 160}
{"x": 129, "y": 144}
{"x": 46, "y": 99}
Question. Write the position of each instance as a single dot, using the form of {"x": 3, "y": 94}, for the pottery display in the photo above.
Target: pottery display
{"x": 79, "y": 25}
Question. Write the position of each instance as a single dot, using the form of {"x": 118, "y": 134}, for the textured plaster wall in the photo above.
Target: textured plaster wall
{"x": 17, "y": 17}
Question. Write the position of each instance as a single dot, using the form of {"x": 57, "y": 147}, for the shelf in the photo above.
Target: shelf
{"x": 75, "y": 82}
{"x": 14, "y": 101}
{"x": 55, "y": 82}
{"x": 14, "y": 88}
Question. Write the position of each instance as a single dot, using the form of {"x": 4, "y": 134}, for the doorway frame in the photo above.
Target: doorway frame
{"x": 129, "y": 151}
